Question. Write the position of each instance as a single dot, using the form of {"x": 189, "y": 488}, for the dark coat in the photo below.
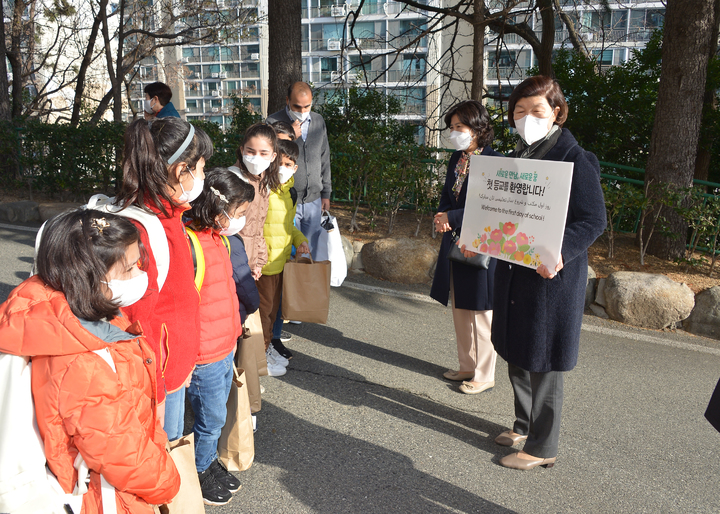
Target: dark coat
{"x": 536, "y": 321}
{"x": 473, "y": 286}
{"x": 244, "y": 282}
{"x": 169, "y": 111}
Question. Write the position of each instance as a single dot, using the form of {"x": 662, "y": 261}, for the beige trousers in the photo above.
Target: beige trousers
{"x": 475, "y": 350}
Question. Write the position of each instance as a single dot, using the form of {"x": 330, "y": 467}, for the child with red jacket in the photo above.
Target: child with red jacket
{"x": 218, "y": 212}
{"x": 162, "y": 172}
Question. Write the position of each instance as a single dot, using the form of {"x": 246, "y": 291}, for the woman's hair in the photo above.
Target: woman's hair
{"x": 539, "y": 85}
{"x": 283, "y": 127}
{"x": 210, "y": 203}
{"x": 473, "y": 114}
{"x": 271, "y": 179}
{"x": 77, "y": 250}
{"x": 148, "y": 149}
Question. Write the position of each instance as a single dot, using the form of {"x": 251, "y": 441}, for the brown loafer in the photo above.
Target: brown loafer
{"x": 459, "y": 376}
{"x": 471, "y": 388}
{"x": 524, "y": 461}
{"x": 509, "y": 438}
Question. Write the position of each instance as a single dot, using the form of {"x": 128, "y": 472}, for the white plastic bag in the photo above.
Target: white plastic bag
{"x": 336, "y": 254}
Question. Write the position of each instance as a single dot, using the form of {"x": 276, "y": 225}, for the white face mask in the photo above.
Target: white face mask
{"x": 300, "y": 116}
{"x": 189, "y": 196}
{"x": 148, "y": 106}
{"x": 235, "y": 225}
{"x": 127, "y": 292}
{"x": 286, "y": 173}
{"x": 255, "y": 164}
{"x": 461, "y": 140}
{"x": 532, "y": 129}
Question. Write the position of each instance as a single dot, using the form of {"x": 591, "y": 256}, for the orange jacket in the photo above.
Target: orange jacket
{"x": 220, "y": 324}
{"x": 83, "y": 406}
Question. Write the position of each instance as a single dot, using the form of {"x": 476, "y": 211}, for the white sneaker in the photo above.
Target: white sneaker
{"x": 275, "y": 369}
{"x": 279, "y": 359}
{"x": 295, "y": 322}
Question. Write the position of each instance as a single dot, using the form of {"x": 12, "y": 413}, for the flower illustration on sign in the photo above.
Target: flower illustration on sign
{"x": 504, "y": 243}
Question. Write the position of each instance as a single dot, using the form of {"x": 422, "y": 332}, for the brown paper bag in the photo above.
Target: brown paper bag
{"x": 189, "y": 499}
{"x": 257, "y": 342}
{"x": 306, "y": 290}
{"x": 245, "y": 359}
{"x": 236, "y": 446}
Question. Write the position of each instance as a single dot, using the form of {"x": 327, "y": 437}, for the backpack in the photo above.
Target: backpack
{"x": 27, "y": 486}
{"x": 198, "y": 257}
{"x": 151, "y": 223}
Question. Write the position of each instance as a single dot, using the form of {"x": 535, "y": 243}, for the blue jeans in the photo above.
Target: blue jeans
{"x": 277, "y": 326}
{"x": 175, "y": 414}
{"x": 208, "y": 392}
{"x": 307, "y": 218}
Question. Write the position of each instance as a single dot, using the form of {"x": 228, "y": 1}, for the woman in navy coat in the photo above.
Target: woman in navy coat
{"x": 471, "y": 288}
{"x": 538, "y": 314}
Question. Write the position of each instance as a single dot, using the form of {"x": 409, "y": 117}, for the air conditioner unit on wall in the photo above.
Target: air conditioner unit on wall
{"x": 334, "y": 75}
{"x": 215, "y": 75}
{"x": 337, "y": 10}
{"x": 334, "y": 44}
{"x": 216, "y": 109}
{"x": 588, "y": 36}
{"x": 223, "y": 75}
{"x": 215, "y": 93}
{"x": 254, "y": 57}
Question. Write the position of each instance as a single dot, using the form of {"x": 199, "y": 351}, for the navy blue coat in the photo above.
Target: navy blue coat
{"x": 473, "y": 286}
{"x": 245, "y": 286}
{"x": 536, "y": 321}
{"x": 169, "y": 111}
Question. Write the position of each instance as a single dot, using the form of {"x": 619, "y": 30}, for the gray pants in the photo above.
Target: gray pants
{"x": 538, "y": 406}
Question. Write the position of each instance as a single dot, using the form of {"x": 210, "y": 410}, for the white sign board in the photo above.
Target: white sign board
{"x": 516, "y": 209}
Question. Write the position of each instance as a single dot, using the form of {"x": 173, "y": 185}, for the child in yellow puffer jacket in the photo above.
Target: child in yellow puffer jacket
{"x": 280, "y": 235}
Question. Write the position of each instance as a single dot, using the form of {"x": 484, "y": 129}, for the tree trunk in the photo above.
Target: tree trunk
{"x": 476, "y": 90}
{"x": 87, "y": 59}
{"x": 678, "y": 112}
{"x": 5, "y": 106}
{"x": 284, "y": 50}
{"x": 702, "y": 163}
{"x": 15, "y": 57}
{"x": 544, "y": 56}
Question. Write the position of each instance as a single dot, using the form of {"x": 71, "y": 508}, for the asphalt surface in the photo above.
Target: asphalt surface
{"x": 364, "y": 423}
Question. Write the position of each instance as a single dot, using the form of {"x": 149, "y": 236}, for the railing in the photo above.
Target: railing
{"x": 506, "y": 73}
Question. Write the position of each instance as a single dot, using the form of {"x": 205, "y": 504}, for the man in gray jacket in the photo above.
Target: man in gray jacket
{"x": 312, "y": 178}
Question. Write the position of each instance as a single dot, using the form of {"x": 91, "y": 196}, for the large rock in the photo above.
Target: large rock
{"x": 646, "y": 299}
{"x": 590, "y": 287}
{"x": 705, "y": 317}
{"x": 19, "y": 212}
{"x": 348, "y": 249}
{"x": 403, "y": 260}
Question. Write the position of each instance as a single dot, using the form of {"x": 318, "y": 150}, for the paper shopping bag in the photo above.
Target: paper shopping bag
{"x": 306, "y": 290}
{"x": 256, "y": 341}
{"x": 245, "y": 359}
{"x": 236, "y": 446}
{"x": 189, "y": 499}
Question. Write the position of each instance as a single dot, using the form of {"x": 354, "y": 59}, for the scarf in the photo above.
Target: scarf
{"x": 461, "y": 170}
{"x": 539, "y": 148}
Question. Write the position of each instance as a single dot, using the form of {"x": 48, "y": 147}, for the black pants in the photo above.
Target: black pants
{"x": 538, "y": 406}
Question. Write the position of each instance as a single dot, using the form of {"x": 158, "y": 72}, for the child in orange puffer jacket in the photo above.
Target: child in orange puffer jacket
{"x": 93, "y": 372}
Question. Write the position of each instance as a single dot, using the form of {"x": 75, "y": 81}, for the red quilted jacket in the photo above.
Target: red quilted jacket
{"x": 220, "y": 324}
{"x": 83, "y": 406}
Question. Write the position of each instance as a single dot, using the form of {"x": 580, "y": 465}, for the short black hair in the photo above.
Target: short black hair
{"x": 223, "y": 190}
{"x": 289, "y": 149}
{"x": 473, "y": 114}
{"x": 283, "y": 127}
{"x": 161, "y": 90}
{"x": 77, "y": 250}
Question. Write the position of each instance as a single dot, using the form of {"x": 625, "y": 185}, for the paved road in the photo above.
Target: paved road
{"x": 362, "y": 423}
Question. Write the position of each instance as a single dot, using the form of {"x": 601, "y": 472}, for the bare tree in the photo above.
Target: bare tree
{"x": 5, "y": 106}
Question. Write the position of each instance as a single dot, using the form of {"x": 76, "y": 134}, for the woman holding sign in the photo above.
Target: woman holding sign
{"x": 470, "y": 287}
{"x": 538, "y": 313}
